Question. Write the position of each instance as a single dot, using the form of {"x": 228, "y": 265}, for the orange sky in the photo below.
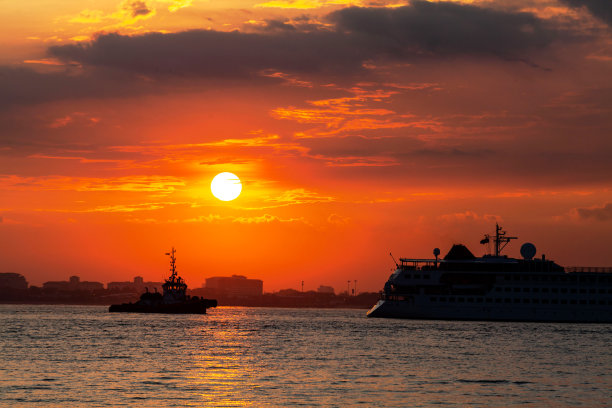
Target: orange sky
{"x": 357, "y": 128}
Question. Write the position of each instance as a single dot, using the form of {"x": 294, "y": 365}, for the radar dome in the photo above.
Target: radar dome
{"x": 528, "y": 250}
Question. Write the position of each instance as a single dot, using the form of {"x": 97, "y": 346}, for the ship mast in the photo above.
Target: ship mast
{"x": 501, "y": 240}
{"x": 174, "y": 284}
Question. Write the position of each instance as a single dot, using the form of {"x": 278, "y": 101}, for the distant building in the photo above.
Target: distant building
{"x": 138, "y": 286}
{"x": 289, "y": 293}
{"x": 9, "y": 280}
{"x": 73, "y": 284}
{"x": 325, "y": 289}
{"x": 235, "y": 285}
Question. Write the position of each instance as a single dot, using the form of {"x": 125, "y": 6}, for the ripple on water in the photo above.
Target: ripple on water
{"x": 76, "y": 356}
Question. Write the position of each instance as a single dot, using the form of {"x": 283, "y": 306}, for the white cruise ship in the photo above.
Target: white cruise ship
{"x": 495, "y": 287}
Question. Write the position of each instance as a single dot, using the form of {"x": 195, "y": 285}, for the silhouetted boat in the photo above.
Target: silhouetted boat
{"x": 495, "y": 287}
{"x": 174, "y": 299}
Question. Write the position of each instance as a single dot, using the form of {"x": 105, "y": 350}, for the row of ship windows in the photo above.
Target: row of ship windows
{"x": 517, "y": 300}
{"x": 557, "y": 278}
{"x": 555, "y": 290}
{"x": 535, "y": 278}
{"x": 416, "y": 276}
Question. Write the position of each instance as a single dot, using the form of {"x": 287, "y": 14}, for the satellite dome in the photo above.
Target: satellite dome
{"x": 528, "y": 250}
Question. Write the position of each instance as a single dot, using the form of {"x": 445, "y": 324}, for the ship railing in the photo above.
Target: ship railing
{"x": 597, "y": 269}
{"x": 389, "y": 296}
{"x": 411, "y": 263}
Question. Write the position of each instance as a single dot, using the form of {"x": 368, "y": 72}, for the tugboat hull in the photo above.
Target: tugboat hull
{"x": 175, "y": 308}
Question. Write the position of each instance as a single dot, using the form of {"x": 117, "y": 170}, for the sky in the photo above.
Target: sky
{"x": 357, "y": 129}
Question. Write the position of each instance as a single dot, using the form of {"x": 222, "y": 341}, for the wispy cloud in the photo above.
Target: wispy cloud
{"x": 299, "y": 196}
{"x": 597, "y": 213}
{"x": 357, "y": 161}
{"x": 128, "y": 13}
{"x": 314, "y": 4}
{"x": 338, "y": 219}
{"x": 126, "y": 208}
{"x": 266, "y": 219}
{"x": 348, "y": 114}
{"x": 151, "y": 184}
{"x": 469, "y": 216}
{"x": 176, "y": 5}
{"x": 217, "y": 218}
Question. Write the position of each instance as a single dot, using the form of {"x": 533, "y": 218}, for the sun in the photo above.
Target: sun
{"x": 226, "y": 186}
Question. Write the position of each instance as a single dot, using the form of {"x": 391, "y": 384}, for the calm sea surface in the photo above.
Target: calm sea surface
{"x": 85, "y": 356}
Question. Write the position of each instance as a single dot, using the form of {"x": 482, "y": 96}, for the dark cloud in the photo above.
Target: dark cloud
{"x": 138, "y": 8}
{"x": 114, "y": 64}
{"x": 437, "y": 29}
{"x": 361, "y": 34}
{"x": 602, "y": 9}
{"x": 598, "y": 213}
{"x": 274, "y": 25}
{"x": 23, "y": 86}
{"x": 444, "y": 28}
{"x": 208, "y": 53}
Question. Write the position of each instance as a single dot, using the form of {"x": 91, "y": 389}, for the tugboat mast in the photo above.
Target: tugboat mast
{"x": 172, "y": 263}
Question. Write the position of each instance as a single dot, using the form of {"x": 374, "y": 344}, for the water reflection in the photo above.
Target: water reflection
{"x": 232, "y": 357}
{"x": 220, "y": 370}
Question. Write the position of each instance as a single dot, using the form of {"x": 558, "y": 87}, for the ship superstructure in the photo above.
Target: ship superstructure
{"x": 175, "y": 288}
{"x": 495, "y": 287}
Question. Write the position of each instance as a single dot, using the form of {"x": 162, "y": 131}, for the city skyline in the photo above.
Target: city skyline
{"x": 73, "y": 282}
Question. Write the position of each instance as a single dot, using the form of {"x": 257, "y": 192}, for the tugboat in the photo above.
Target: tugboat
{"x": 173, "y": 301}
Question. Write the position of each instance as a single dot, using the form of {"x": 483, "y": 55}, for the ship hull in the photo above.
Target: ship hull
{"x": 462, "y": 286}
{"x": 420, "y": 309}
{"x": 172, "y": 308}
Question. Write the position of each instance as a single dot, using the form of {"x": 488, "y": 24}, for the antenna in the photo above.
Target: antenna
{"x": 394, "y": 261}
{"x": 436, "y": 253}
{"x": 172, "y": 261}
{"x": 501, "y": 240}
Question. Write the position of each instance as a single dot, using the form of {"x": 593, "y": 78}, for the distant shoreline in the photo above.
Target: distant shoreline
{"x": 288, "y": 298}
{"x": 48, "y": 303}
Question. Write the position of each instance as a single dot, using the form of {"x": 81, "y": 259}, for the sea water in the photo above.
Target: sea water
{"x": 85, "y": 356}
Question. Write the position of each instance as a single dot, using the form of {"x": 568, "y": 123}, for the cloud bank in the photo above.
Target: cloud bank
{"x": 353, "y": 39}
{"x": 409, "y": 33}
